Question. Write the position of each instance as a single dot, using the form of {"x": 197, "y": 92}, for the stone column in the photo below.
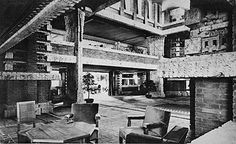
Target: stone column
{"x": 192, "y": 107}
{"x": 74, "y": 23}
{"x": 234, "y": 99}
{"x": 155, "y": 45}
{"x": 234, "y": 49}
{"x": 111, "y": 83}
{"x": 234, "y": 28}
{"x": 79, "y": 54}
{"x": 159, "y": 84}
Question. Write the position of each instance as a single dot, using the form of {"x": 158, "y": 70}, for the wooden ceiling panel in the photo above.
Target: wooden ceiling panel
{"x": 113, "y": 32}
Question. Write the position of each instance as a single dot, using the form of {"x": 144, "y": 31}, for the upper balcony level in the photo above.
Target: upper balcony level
{"x": 97, "y": 51}
{"x": 128, "y": 21}
{"x": 159, "y": 17}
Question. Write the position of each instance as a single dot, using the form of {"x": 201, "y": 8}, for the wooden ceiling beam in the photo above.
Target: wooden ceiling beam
{"x": 105, "y": 5}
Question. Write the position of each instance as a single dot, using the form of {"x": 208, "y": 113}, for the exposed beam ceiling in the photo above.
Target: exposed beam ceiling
{"x": 48, "y": 12}
{"x": 40, "y": 13}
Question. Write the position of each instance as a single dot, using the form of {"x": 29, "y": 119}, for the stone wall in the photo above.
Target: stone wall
{"x": 29, "y": 85}
{"x": 213, "y": 103}
{"x": 16, "y": 91}
{"x": 214, "y": 65}
{"x": 43, "y": 88}
{"x": 156, "y": 45}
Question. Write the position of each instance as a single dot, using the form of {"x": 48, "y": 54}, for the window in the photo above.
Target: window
{"x": 124, "y": 82}
{"x": 132, "y": 82}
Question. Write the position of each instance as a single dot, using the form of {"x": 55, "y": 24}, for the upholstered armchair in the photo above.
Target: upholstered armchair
{"x": 155, "y": 123}
{"x": 176, "y": 135}
{"x": 87, "y": 113}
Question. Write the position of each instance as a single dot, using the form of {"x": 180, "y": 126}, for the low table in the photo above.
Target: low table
{"x": 61, "y": 132}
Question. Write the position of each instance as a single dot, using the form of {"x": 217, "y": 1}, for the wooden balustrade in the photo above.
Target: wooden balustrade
{"x": 145, "y": 10}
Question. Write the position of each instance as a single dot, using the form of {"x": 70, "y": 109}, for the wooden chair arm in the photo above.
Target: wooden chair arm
{"x": 97, "y": 118}
{"x": 154, "y": 125}
{"x": 176, "y": 135}
{"x": 134, "y": 117}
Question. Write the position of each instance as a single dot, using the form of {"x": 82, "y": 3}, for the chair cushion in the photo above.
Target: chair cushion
{"x": 123, "y": 132}
{"x": 154, "y": 115}
{"x": 141, "y": 138}
{"x": 85, "y": 112}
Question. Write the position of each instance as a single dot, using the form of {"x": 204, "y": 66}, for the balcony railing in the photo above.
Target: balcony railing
{"x": 148, "y": 12}
{"x": 67, "y": 47}
{"x": 141, "y": 10}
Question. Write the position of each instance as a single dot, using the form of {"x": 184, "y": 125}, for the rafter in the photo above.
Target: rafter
{"x": 49, "y": 12}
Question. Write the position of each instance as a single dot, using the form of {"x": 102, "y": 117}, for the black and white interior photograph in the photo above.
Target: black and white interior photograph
{"x": 118, "y": 71}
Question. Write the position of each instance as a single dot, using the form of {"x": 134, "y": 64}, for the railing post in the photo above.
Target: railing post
{"x": 135, "y": 10}
{"x": 146, "y": 11}
{"x": 155, "y": 14}
{"x": 162, "y": 19}
{"x": 122, "y": 7}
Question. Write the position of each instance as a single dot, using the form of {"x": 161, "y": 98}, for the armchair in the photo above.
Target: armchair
{"x": 176, "y": 135}
{"x": 25, "y": 115}
{"x": 155, "y": 123}
{"x": 87, "y": 113}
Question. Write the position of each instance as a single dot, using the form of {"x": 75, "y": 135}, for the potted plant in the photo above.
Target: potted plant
{"x": 149, "y": 87}
{"x": 88, "y": 81}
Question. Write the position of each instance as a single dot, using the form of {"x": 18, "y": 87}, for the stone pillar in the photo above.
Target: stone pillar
{"x": 234, "y": 28}
{"x": 79, "y": 54}
{"x": 111, "y": 83}
{"x": 192, "y": 88}
{"x": 74, "y": 24}
{"x": 155, "y": 45}
{"x": 70, "y": 26}
{"x": 234, "y": 99}
{"x": 159, "y": 84}
{"x": 234, "y": 49}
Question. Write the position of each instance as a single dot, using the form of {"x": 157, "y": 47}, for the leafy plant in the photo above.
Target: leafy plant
{"x": 88, "y": 81}
{"x": 149, "y": 86}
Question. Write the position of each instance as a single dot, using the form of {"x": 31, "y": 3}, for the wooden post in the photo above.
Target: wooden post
{"x": 146, "y": 11}
{"x": 74, "y": 23}
{"x": 155, "y": 14}
{"x": 122, "y": 7}
{"x": 192, "y": 107}
{"x": 135, "y": 10}
{"x": 70, "y": 25}
{"x": 162, "y": 18}
{"x": 79, "y": 54}
{"x": 111, "y": 85}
